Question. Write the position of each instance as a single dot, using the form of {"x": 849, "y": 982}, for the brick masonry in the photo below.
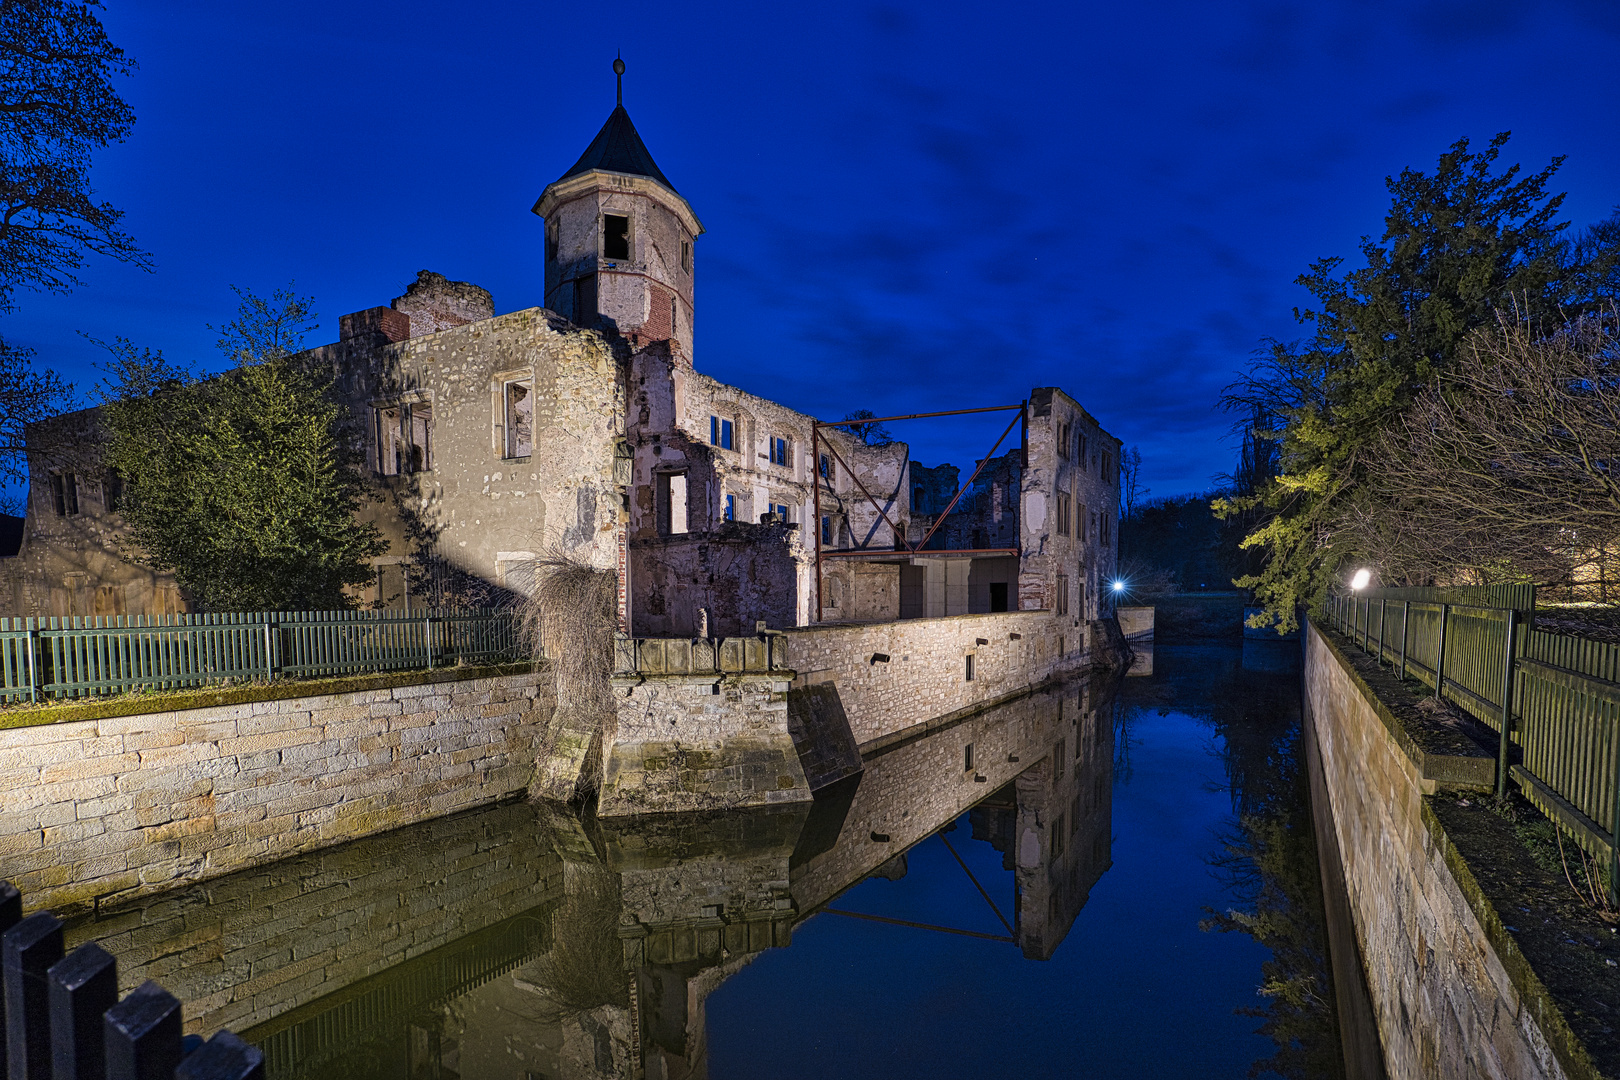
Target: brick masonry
{"x": 117, "y": 806}
{"x": 1445, "y": 1003}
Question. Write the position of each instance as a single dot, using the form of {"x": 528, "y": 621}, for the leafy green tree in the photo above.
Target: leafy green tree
{"x": 244, "y": 485}
{"x": 1458, "y": 246}
{"x": 57, "y": 106}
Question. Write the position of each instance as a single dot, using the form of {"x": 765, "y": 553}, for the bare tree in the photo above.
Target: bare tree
{"x": 1130, "y": 479}
{"x": 1507, "y": 469}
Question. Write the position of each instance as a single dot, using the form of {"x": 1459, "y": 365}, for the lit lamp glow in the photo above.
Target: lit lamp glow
{"x": 1360, "y": 580}
{"x": 1119, "y": 586}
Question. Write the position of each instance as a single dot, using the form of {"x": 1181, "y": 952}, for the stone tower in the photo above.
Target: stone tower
{"x": 619, "y": 241}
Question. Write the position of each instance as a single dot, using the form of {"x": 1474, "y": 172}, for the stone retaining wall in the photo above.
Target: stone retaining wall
{"x": 1445, "y": 1003}
{"x": 116, "y": 806}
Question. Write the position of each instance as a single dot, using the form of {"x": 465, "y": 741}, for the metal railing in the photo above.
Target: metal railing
{"x": 759, "y": 653}
{"x": 60, "y": 658}
{"x": 1552, "y": 697}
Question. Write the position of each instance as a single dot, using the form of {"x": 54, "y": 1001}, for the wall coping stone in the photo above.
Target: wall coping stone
{"x": 1566, "y": 1046}
{"x": 134, "y": 704}
{"x": 1449, "y": 761}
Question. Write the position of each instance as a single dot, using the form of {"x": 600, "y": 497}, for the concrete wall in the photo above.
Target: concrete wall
{"x": 1445, "y": 1002}
{"x": 106, "y": 808}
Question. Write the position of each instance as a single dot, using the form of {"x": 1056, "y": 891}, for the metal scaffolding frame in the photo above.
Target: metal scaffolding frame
{"x": 909, "y": 548}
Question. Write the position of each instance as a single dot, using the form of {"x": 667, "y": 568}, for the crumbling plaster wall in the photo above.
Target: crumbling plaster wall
{"x": 480, "y": 510}
{"x": 1083, "y": 556}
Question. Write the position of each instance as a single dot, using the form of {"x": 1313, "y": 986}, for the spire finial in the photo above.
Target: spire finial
{"x": 618, "y": 72}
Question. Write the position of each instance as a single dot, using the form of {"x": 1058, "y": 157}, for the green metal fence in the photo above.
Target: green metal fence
{"x": 42, "y": 659}
{"x": 1552, "y": 699}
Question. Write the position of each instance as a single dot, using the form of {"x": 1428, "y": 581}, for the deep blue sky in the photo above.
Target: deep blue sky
{"x": 908, "y": 208}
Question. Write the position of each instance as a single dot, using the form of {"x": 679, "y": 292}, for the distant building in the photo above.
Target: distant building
{"x": 583, "y": 427}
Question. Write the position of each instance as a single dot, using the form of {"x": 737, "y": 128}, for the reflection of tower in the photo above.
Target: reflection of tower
{"x": 1063, "y": 829}
{"x": 619, "y": 240}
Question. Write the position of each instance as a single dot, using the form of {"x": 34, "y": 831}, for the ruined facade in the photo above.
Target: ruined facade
{"x": 583, "y": 427}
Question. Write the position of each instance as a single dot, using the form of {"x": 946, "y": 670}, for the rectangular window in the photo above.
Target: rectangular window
{"x": 1080, "y": 525}
{"x": 1063, "y": 513}
{"x": 686, "y": 255}
{"x": 1059, "y": 758}
{"x": 671, "y": 503}
{"x": 1082, "y": 454}
{"x": 112, "y": 490}
{"x": 967, "y": 751}
{"x": 1107, "y": 466}
{"x": 720, "y": 433}
{"x": 585, "y": 300}
{"x": 968, "y": 673}
{"x": 1063, "y": 594}
{"x": 1058, "y": 836}
{"x": 731, "y": 508}
{"x": 615, "y": 236}
{"x": 779, "y": 452}
{"x": 998, "y": 596}
{"x": 780, "y": 510}
{"x": 1063, "y": 440}
{"x": 65, "y": 494}
{"x": 826, "y": 467}
{"x": 519, "y": 418}
{"x": 826, "y": 532}
{"x": 405, "y": 438}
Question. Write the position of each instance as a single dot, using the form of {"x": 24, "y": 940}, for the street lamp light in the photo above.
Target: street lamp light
{"x": 1360, "y": 579}
{"x": 1119, "y": 586}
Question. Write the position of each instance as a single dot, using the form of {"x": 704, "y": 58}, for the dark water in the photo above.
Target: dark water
{"x": 1101, "y": 886}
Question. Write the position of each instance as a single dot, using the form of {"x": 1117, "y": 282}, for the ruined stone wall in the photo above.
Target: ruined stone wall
{"x": 1069, "y": 454}
{"x": 347, "y": 912}
{"x": 740, "y": 574}
{"x": 484, "y": 512}
{"x": 1445, "y": 1002}
{"x": 693, "y": 742}
{"x": 126, "y": 805}
{"x": 925, "y": 675}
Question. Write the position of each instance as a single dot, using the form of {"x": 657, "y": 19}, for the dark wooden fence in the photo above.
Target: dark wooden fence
{"x": 1552, "y": 699}
{"x": 64, "y": 1021}
{"x": 42, "y": 659}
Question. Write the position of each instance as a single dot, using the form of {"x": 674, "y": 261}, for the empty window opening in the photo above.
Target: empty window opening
{"x": 827, "y": 468}
{"x": 826, "y": 531}
{"x": 1057, "y": 848}
{"x": 1059, "y": 758}
{"x": 967, "y": 751}
{"x": 405, "y": 439}
{"x": 917, "y": 499}
{"x": 1063, "y": 440}
{"x": 720, "y": 433}
{"x": 731, "y": 508}
{"x": 1063, "y": 514}
{"x": 780, "y": 510}
{"x": 112, "y": 490}
{"x": 65, "y": 494}
{"x": 615, "y": 236}
{"x": 779, "y": 452}
{"x": 1082, "y": 447}
{"x": 1107, "y": 466}
{"x": 834, "y": 589}
{"x": 1063, "y": 594}
{"x": 968, "y": 673}
{"x": 519, "y": 418}
{"x": 998, "y": 596}
{"x": 585, "y": 300}
{"x": 686, "y": 255}
{"x": 672, "y": 503}
{"x": 551, "y": 240}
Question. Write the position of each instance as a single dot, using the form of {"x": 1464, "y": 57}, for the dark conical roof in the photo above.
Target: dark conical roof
{"x": 618, "y": 148}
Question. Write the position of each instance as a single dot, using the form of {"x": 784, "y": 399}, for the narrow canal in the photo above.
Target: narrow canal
{"x": 1112, "y": 878}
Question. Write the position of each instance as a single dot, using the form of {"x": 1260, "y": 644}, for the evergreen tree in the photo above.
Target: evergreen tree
{"x": 1458, "y": 246}
{"x": 244, "y": 485}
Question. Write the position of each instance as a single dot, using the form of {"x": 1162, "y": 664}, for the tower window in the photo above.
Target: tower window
{"x": 720, "y": 433}
{"x": 1063, "y": 440}
{"x": 585, "y": 299}
{"x": 686, "y": 255}
{"x": 551, "y": 240}
{"x": 615, "y": 237}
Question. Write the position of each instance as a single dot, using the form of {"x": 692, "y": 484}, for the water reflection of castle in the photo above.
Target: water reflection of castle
{"x": 510, "y": 943}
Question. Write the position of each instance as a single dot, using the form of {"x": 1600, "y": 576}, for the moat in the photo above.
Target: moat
{"x": 1131, "y": 865}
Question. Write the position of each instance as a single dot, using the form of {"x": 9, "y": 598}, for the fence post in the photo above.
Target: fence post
{"x": 26, "y": 951}
{"x": 427, "y": 639}
{"x": 269, "y": 648}
{"x": 1406, "y": 618}
{"x": 1440, "y": 655}
{"x": 224, "y": 1057}
{"x": 143, "y": 1033}
{"x": 1507, "y": 704}
{"x": 33, "y": 662}
{"x": 1383, "y": 611}
{"x": 83, "y": 987}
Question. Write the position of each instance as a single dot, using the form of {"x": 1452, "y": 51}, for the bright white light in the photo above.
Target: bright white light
{"x": 1119, "y": 586}
{"x": 1361, "y": 578}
